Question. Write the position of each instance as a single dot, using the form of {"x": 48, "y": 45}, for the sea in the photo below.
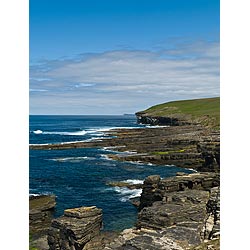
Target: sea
{"x": 80, "y": 177}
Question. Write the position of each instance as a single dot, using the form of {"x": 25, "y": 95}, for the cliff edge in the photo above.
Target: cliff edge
{"x": 205, "y": 112}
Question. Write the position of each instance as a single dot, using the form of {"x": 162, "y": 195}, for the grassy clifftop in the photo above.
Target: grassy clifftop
{"x": 205, "y": 111}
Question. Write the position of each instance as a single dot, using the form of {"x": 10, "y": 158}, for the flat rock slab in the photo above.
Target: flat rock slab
{"x": 143, "y": 239}
{"x": 83, "y": 212}
{"x": 42, "y": 202}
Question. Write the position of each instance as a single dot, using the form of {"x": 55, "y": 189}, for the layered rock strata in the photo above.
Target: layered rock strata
{"x": 160, "y": 120}
{"x": 40, "y": 213}
{"x": 77, "y": 229}
{"x": 176, "y": 213}
{"x": 143, "y": 239}
{"x": 183, "y": 146}
{"x": 157, "y": 189}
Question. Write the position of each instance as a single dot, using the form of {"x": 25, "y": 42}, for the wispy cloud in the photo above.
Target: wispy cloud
{"x": 125, "y": 80}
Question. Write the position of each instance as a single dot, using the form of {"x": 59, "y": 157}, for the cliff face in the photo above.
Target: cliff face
{"x": 40, "y": 213}
{"x": 205, "y": 112}
{"x": 176, "y": 213}
{"x": 76, "y": 229}
{"x": 157, "y": 189}
{"x": 158, "y": 120}
{"x": 186, "y": 207}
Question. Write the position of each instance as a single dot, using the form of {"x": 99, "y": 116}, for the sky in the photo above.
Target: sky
{"x": 115, "y": 57}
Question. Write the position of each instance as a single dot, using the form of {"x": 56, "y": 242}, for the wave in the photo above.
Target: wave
{"x": 38, "y": 132}
{"x": 72, "y": 159}
{"x": 128, "y": 152}
{"x": 127, "y": 193}
{"x": 61, "y": 143}
{"x": 81, "y": 132}
{"x": 195, "y": 171}
{"x": 94, "y": 132}
{"x": 32, "y": 194}
{"x": 105, "y": 157}
{"x": 40, "y": 193}
{"x": 134, "y": 181}
{"x": 113, "y": 147}
{"x": 40, "y": 144}
{"x": 157, "y": 126}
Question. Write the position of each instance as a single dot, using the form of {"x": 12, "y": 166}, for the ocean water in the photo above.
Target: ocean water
{"x": 79, "y": 177}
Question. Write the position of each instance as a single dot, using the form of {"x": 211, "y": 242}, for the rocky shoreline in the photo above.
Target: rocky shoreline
{"x": 181, "y": 212}
{"x": 186, "y": 146}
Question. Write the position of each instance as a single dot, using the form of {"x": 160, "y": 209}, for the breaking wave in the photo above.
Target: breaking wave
{"x": 73, "y": 159}
{"x": 134, "y": 181}
{"x": 127, "y": 193}
{"x": 95, "y": 132}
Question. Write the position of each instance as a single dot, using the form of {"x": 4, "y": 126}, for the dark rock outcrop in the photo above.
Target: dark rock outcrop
{"x": 125, "y": 184}
{"x": 211, "y": 228}
{"x": 184, "y": 146}
{"x": 157, "y": 189}
{"x": 159, "y": 120}
{"x": 77, "y": 229}
{"x": 40, "y": 213}
{"x": 143, "y": 239}
{"x": 176, "y": 213}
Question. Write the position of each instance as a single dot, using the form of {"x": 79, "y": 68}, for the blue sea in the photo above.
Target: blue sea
{"x": 79, "y": 177}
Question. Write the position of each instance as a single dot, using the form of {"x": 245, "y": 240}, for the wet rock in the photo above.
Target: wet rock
{"x": 124, "y": 184}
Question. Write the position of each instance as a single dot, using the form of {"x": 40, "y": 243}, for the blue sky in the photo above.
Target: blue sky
{"x": 114, "y": 57}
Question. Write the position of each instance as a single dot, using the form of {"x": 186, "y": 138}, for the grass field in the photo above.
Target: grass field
{"x": 206, "y": 110}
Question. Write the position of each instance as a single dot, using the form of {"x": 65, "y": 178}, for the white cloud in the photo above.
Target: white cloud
{"x": 126, "y": 80}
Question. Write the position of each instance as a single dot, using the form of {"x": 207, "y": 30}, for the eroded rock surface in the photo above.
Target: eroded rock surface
{"x": 184, "y": 146}
{"x": 76, "y": 229}
{"x": 143, "y": 239}
{"x": 157, "y": 189}
{"x": 181, "y": 212}
{"x": 40, "y": 213}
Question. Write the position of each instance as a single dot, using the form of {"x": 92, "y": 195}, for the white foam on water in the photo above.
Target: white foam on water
{"x": 93, "y": 131}
{"x": 81, "y": 132}
{"x": 39, "y": 194}
{"x": 38, "y": 132}
{"x": 129, "y": 152}
{"x": 113, "y": 147}
{"x": 195, "y": 171}
{"x": 72, "y": 159}
{"x": 134, "y": 181}
{"x": 157, "y": 126}
{"x": 41, "y": 144}
{"x": 32, "y": 194}
{"x": 105, "y": 157}
{"x": 61, "y": 143}
{"x": 71, "y": 142}
{"x": 106, "y": 129}
{"x": 127, "y": 193}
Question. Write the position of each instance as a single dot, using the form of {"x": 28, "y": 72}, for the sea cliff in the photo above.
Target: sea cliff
{"x": 182, "y": 212}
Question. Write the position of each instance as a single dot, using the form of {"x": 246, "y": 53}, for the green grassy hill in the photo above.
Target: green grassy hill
{"x": 205, "y": 111}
